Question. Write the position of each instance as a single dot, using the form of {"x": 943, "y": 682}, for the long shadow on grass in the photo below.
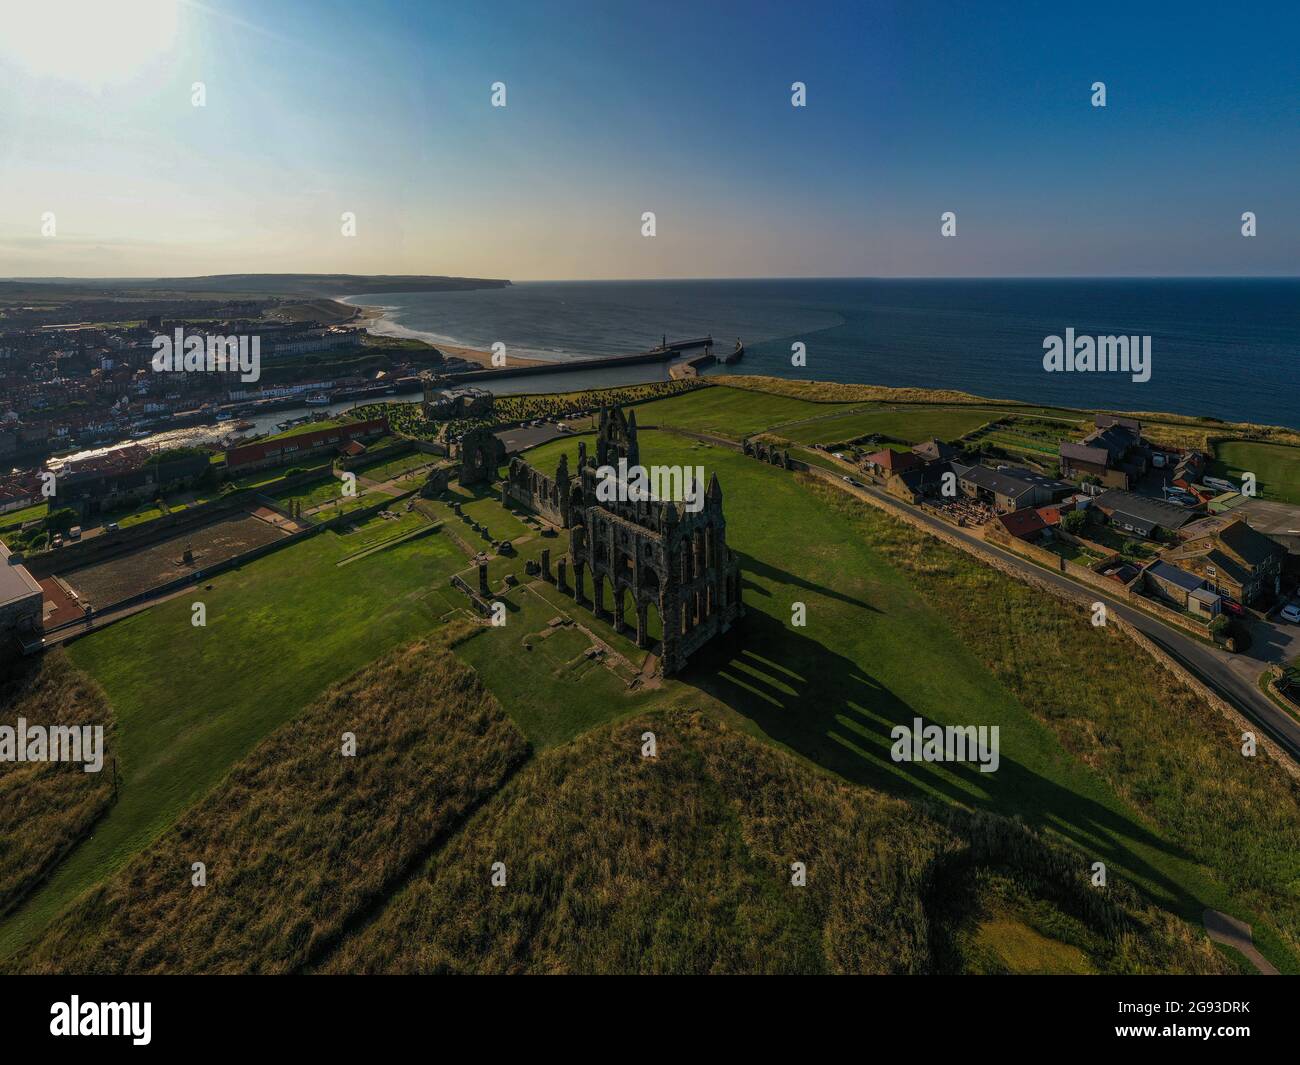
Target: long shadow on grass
{"x": 828, "y": 709}
{"x": 751, "y": 566}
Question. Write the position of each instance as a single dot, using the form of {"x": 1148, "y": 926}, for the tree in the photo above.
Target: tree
{"x": 1074, "y": 522}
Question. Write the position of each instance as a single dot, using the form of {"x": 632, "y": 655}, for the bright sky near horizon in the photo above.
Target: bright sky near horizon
{"x": 613, "y": 109}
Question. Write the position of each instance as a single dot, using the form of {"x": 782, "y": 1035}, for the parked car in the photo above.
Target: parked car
{"x": 1291, "y": 613}
{"x": 111, "y": 527}
{"x": 1231, "y": 606}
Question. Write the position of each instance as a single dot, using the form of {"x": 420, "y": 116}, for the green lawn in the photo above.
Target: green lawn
{"x": 386, "y": 471}
{"x": 312, "y": 493}
{"x": 910, "y": 425}
{"x": 192, "y": 701}
{"x": 730, "y": 412}
{"x": 1276, "y": 467}
{"x": 15, "y": 518}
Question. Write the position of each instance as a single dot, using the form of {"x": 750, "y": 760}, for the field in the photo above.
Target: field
{"x": 279, "y": 631}
{"x": 386, "y": 471}
{"x": 1276, "y": 467}
{"x": 910, "y": 425}
{"x": 299, "y": 839}
{"x": 730, "y": 412}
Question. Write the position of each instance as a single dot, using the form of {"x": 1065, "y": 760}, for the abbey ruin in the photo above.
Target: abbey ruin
{"x": 663, "y": 554}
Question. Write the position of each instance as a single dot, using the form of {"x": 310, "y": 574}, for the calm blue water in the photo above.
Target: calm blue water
{"x": 1227, "y": 348}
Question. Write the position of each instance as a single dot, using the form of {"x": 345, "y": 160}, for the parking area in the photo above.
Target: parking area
{"x": 116, "y": 579}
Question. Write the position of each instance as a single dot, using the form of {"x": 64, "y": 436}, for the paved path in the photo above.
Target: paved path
{"x": 1236, "y": 934}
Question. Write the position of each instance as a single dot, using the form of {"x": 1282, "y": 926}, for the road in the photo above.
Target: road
{"x": 1232, "y": 677}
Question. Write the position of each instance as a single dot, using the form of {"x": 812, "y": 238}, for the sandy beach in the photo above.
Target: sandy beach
{"x": 369, "y": 317}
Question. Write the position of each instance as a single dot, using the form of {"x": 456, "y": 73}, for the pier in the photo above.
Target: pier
{"x": 664, "y": 353}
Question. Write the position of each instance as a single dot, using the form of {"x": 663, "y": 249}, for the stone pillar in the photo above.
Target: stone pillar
{"x": 600, "y": 593}
{"x": 482, "y": 579}
{"x": 670, "y": 614}
{"x": 642, "y": 626}
{"x": 619, "y": 598}
{"x": 579, "y": 575}
{"x": 562, "y": 583}
{"x": 546, "y": 563}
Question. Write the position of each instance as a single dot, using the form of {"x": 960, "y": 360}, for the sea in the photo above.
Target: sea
{"x": 1220, "y": 347}
{"x": 1225, "y": 348}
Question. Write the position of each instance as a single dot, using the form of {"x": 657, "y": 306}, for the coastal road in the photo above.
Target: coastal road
{"x": 1231, "y": 677}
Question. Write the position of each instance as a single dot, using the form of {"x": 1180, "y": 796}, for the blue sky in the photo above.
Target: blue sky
{"x": 614, "y": 109}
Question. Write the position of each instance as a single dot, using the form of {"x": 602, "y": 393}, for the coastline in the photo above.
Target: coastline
{"x": 373, "y": 318}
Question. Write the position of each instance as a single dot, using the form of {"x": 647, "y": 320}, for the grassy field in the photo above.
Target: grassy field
{"x": 616, "y": 863}
{"x": 730, "y": 412}
{"x": 46, "y": 808}
{"x": 14, "y": 518}
{"x": 386, "y": 471}
{"x": 910, "y": 425}
{"x": 1276, "y": 467}
{"x": 299, "y": 839}
{"x": 279, "y": 631}
{"x": 311, "y": 494}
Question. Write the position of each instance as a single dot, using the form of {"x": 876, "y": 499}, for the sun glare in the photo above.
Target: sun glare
{"x": 90, "y": 42}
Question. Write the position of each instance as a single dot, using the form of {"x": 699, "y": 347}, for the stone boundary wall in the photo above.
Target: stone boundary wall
{"x": 1088, "y": 576}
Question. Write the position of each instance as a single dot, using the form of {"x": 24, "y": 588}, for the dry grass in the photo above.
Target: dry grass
{"x": 840, "y": 392}
{"x": 46, "y": 807}
{"x": 681, "y": 864}
{"x": 298, "y": 839}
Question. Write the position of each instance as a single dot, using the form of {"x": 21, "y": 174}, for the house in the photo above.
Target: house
{"x": 1114, "y": 452}
{"x": 352, "y": 449}
{"x": 1142, "y": 515}
{"x": 1189, "y": 470}
{"x": 1169, "y": 582}
{"x": 1010, "y": 488}
{"x": 1231, "y": 557}
{"x": 934, "y": 450}
{"x": 885, "y": 463}
{"x": 1025, "y": 524}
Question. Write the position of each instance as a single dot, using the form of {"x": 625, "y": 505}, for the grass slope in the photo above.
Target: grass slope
{"x": 299, "y": 839}
{"x": 1167, "y": 754}
{"x": 617, "y": 863}
{"x": 47, "y": 807}
{"x": 190, "y": 702}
